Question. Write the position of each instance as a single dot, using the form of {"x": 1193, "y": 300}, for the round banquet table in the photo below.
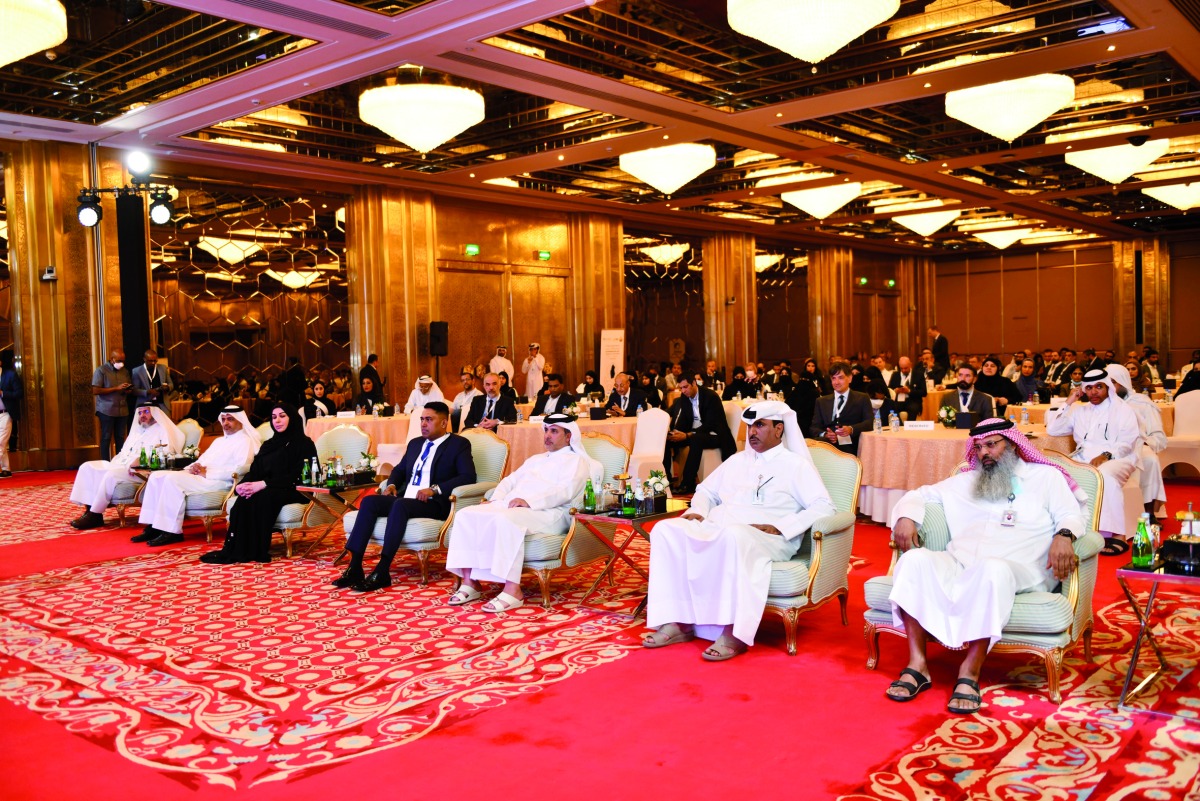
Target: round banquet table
{"x": 525, "y": 439}
{"x": 180, "y": 409}
{"x": 896, "y": 462}
{"x": 381, "y": 430}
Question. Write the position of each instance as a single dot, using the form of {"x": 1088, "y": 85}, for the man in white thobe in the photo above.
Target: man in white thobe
{"x": 1107, "y": 436}
{"x": 424, "y": 391}
{"x": 488, "y": 540}
{"x": 533, "y": 367}
{"x": 710, "y": 569}
{"x": 501, "y": 364}
{"x": 1154, "y": 438}
{"x": 1013, "y": 517}
{"x": 165, "y": 498}
{"x": 96, "y": 481}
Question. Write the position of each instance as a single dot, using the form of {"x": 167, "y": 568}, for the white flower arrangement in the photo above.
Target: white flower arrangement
{"x": 947, "y": 415}
{"x": 658, "y": 481}
{"x": 191, "y": 451}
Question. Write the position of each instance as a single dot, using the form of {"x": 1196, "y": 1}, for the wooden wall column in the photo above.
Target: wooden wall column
{"x": 391, "y": 247}
{"x": 917, "y": 281}
{"x": 57, "y": 324}
{"x": 1155, "y": 310}
{"x": 595, "y": 289}
{"x": 830, "y": 290}
{"x": 730, "y": 299}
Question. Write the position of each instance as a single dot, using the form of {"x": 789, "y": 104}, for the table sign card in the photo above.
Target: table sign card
{"x": 918, "y": 425}
{"x": 345, "y": 414}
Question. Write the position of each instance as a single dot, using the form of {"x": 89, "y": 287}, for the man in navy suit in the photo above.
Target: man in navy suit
{"x": 697, "y": 422}
{"x": 435, "y": 464}
{"x": 842, "y": 415}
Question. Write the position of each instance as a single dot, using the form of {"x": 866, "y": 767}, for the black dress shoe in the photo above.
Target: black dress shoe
{"x": 165, "y": 538}
{"x": 375, "y": 581}
{"x": 217, "y": 558}
{"x": 351, "y": 576}
{"x": 148, "y": 533}
{"x": 88, "y": 519}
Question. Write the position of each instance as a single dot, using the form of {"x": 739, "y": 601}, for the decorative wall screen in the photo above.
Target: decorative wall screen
{"x": 248, "y": 278}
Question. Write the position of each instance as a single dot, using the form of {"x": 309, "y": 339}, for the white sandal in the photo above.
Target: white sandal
{"x": 465, "y": 595}
{"x": 503, "y": 603}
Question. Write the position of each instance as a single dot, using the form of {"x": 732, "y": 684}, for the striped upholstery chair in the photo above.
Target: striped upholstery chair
{"x": 423, "y": 536}
{"x": 129, "y": 493}
{"x": 545, "y": 553}
{"x": 347, "y": 441}
{"x": 818, "y": 571}
{"x": 1045, "y": 624}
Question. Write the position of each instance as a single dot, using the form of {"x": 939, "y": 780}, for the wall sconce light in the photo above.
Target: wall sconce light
{"x": 471, "y": 250}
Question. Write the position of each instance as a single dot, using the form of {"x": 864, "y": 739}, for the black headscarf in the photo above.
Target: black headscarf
{"x": 294, "y": 433}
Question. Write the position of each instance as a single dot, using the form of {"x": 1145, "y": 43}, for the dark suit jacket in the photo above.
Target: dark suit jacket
{"x": 637, "y": 399}
{"x": 980, "y": 403}
{"x": 916, "y": 383}
{"x": 370, "y": 372}
{"x": 714, "y": 428}
{"x": 857, "y": 414}
{"x": 141, "y": 384}
{"x": 505, "y": 410}
{"x": 452, "y": 468}
{"x": 1057, "y": 372}
{"x": 10, "y": 385}
{"x": 564, "y": 400}
{"x": 941, "y": 351}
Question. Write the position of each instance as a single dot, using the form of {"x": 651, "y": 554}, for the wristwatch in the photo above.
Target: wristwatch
{"x": 436, "y": 489}
{"x": 1066, "y": 532}
{"x": 1107, "y": 455}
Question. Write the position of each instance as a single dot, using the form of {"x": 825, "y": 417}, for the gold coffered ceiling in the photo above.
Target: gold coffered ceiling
{"x": 570, "y": 86}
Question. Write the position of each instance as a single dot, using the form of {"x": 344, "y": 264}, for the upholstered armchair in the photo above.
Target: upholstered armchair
{"x": 819, "y": 571}
{"x": 424, "y": 536}
{"x": 1045, "y": 624}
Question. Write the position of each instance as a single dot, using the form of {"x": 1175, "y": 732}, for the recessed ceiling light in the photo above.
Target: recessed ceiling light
{"x": 780, "y": 113}
{"x": 928, "y": 85}
{"x": 1112, "y": 48}
{"x": 560, "y": 158}
{"x": 665, "y": 136}
{"x": 472, "y": 175}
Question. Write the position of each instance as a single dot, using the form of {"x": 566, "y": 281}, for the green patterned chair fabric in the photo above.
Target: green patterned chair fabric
{"x": 424, "y": 536}
{"x": 819, "y": 570}
{"x": 347, "y": 441}
{"x": 1042, "y": 623}
{"x": 544, "y": 552}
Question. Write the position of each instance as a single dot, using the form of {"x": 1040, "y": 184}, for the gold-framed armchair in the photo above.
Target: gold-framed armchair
{"x": 1045, "y": 624}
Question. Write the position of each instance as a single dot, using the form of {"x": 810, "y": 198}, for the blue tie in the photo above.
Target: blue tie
{"x": 964, "y": 399}
{"x": 416, "y": 479}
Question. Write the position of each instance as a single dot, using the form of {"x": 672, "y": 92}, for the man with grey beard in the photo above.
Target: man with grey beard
{"x": 1014, "y": 517}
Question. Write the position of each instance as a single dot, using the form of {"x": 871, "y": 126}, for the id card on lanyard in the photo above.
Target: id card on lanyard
{"x": 1008, "y": 518}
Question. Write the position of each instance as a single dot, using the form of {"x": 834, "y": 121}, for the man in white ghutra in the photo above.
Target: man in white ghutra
{"x": 710, "y": 569}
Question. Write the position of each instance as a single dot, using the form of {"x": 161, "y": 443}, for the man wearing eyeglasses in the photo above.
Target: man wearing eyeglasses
{"x": 434, "y": 465}
{"x": 1014, "y": 517}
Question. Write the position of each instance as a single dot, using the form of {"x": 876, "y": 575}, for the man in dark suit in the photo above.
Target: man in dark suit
{"x": 930, "y": 370}
{"x": 940, "y": 347}
{"x": 491, "y": 408}
{"x": 11, "y": 390}
{"x": 625, "y": 399}
{"x": 909, "y": 388}
{"x": 150, "y": 382}
{"x": 969, "y": 400}
{"x": 554, "y": 399}
{"x": 697, "y": 423}
{"x": 371, "y": 370}
{"x": 1092, "y": 362}
{"x": 434, "y": 466}
{"x": 845, "y": 414}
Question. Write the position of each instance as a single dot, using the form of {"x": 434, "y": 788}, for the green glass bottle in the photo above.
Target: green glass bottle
{"x": 142, "y": 458}
{"x": 154, "y": 465}
{"x": 628, "y": 504}
{"x": 1143, "y": 547}
{"x": 589, "y": 498}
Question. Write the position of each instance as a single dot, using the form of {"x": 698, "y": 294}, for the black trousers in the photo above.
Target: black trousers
{"x": 112, "y": 429}
{"x": 398, "y": 512}
{"x": 696, "y": 445}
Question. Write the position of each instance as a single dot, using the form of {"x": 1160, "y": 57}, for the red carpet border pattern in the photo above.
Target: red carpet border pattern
{"x": 241, "y": 675}
{"x": 44, "y": 513}
{"x": 1022, "y": 747}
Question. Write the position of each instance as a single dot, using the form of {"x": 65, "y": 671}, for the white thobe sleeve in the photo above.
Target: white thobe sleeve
{"x": 814, "y": 499}
{"x": 562, "y": 488}
{"x": 1064, "y": 507}
{"x": 1128, "y": 434}
{"x": 1063, "y": 424}
{"x": 221, "y": 463}
{"x": 413, "y": 397}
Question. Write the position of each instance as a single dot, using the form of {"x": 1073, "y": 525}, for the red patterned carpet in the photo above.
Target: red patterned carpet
{"x": 126, "y": 666}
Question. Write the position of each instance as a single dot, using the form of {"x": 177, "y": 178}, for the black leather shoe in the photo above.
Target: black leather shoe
{"x": 351, "y": 576}
{"x": 375, "y": 581}
{"x": 165, "y": 538}
{"x": 88, "y": 520}
{"x": 148, "y": 533}
{"x": 218, "y": 557}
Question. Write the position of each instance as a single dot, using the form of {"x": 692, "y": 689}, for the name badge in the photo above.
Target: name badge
{"x": 1009, "y": 518}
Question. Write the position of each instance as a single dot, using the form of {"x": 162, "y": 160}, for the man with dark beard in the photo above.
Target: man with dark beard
{"x": 1014, "y": 517}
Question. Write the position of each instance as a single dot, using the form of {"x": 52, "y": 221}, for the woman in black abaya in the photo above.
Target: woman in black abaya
{"x": 269, "y": 485}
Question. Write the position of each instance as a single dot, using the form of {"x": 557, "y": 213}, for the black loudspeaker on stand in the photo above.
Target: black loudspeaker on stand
{"x": 439, "y": 344}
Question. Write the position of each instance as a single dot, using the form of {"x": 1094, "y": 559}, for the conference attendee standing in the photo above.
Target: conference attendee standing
{"x": 11, "y": 391}
{"x": 533, "y": 367}
{"x": 151, "y": 382}
{"x": 371, "y": 370}
{"x": 940, "y": 347}
{"x": 111, "y": 385}
{"x": 841, "y": 417}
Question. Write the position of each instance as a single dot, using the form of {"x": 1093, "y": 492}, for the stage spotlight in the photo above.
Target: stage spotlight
{"x": 89, "y": 211}
{"x": 161, "y": 210}
{"x": 138, "y": 164}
